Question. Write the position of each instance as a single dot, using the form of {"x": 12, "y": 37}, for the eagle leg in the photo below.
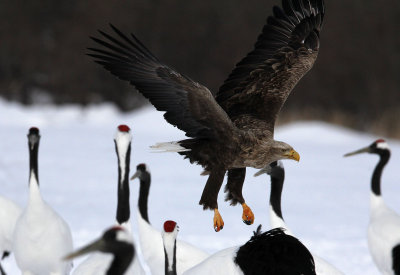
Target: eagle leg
{"x": 210, "y": 195}
{"x": 234, "y": 192}
{"x": 211, "y": 189}
{"x": 234, "y": 186}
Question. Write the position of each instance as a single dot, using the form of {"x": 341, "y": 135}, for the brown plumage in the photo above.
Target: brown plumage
{"x": 235, "y": 129}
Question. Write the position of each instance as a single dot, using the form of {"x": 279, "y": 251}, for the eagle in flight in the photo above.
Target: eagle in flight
{"x": 235, "y": 128}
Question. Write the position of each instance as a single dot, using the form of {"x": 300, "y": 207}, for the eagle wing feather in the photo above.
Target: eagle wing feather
{"x": 187, "y": 104}
{"x": 284, "y": 52}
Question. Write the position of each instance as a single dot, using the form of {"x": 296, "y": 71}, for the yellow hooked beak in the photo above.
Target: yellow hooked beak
{"x": 292, "y": 154}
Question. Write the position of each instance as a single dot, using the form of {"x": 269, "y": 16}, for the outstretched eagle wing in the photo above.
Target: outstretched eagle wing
{"x": 188, "y": 105}
{"x": 284, "y": 52}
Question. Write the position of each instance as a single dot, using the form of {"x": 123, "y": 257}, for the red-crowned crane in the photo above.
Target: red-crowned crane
{"x": 98, "y": 263}
{"x": 41, "y": 236}
{"x": 384, "y": 223}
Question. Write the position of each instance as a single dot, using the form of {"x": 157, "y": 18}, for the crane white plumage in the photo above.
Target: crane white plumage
{"x": 277, "y": 174}
{"x": 41, "y": 236}
{"x": 118, "y": 243}
{"x": 9, "y": 213}
{"x": 151, "y": 242}
{"x": 98, "y": 263}
{"x": 269, "y": 253}
{"x": 384, "y": 224}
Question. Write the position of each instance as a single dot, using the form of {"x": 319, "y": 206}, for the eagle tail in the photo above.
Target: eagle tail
{"x": 172, "y": 146}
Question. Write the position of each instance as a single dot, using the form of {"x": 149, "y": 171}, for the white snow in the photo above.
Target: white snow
{"x": 325, "y": 198}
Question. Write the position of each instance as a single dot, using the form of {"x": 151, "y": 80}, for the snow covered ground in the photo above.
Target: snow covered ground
{"x": 325, "y": 198}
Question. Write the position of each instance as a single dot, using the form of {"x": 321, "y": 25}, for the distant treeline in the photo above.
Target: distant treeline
{"x": 355, "y": 81}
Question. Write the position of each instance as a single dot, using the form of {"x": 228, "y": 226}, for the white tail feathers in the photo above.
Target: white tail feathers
{"x": 172, "y": 146}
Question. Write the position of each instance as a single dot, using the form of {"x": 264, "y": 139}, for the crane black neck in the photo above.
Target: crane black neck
{"x": 276, "y": 193}
{"x": 170, "y": 270}
{"x": 144, "y": 189}
{"x": 377, "y": 174}
{"x": 123, "y": 206}
{"x": 33, "y": 160}
{"x": 123, "y": 256}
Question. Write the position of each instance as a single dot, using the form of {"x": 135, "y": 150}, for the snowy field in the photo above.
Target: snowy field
{"x": 325, "y": 198}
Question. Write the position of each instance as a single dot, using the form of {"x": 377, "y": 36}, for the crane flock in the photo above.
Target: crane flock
{"x": 166, "y": 253}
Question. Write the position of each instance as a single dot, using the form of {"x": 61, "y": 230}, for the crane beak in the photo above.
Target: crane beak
{"x": 95, "y": 246}
{"x": 360, "y": 151}
{"x": 293, "y": 155}
{"x": 265, "y": 170}
{"x": 136, "y": 175}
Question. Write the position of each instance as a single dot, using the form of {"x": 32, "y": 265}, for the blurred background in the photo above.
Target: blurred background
{"x": 355, "y": 81}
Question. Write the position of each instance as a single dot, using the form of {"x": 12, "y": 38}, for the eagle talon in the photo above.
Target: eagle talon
{"x": 247, "y": 222}
{"x": 248, "y": 216}
{"x": 218, "y": 229}
{"x": 218, "y": 221}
